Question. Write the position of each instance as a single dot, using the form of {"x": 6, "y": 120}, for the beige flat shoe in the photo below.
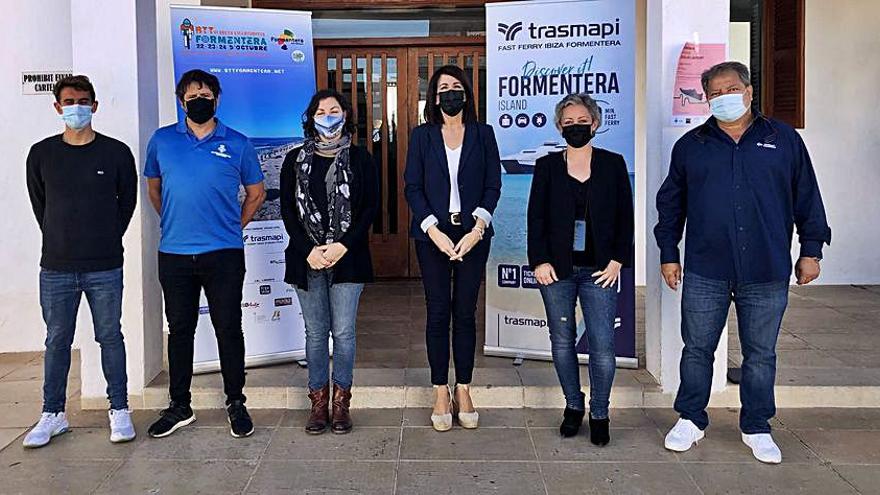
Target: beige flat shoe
{"x": 467, "y": 420}
{"x": 443, "y": 422}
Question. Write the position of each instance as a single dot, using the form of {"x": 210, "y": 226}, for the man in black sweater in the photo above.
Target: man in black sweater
{"x": 83, "y": 189}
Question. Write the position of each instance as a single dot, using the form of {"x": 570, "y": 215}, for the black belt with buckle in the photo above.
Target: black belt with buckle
{"x": 455, "y": 218}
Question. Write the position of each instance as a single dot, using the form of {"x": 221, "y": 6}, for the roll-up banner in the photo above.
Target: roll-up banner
{"x": 538, "y": 52}
{"x": 265, "y": 62}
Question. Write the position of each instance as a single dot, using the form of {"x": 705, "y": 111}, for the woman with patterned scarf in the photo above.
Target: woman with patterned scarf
{"x": 329, "y": 198}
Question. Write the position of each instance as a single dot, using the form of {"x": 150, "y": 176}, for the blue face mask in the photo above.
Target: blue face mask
{"x": 728, "y": 108}
{"x": 329, "y": 126}
{"x": 76, "y": 116}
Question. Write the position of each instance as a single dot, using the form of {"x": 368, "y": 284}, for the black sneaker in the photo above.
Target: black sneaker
{"x": 172, "y": 419}
{"x": 239, "y": 420}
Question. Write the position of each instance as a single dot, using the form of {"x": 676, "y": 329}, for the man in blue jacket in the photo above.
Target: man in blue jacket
{"x": 741, "y": 181}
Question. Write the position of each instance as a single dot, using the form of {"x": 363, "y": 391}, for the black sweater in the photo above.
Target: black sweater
{"x": 83, "y": 198}
{"x": 356, "y": 266}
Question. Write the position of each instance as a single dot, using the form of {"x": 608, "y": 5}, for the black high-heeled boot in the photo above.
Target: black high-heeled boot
{"x": 599, "y": 431}
{"x": 571, "y": 422}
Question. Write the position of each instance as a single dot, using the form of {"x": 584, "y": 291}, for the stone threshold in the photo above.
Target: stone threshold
{"x": 495, "y": 388}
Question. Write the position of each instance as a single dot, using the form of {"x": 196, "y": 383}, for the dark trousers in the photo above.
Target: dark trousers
{"x": 451, "y": 292}
{"x": 221, "y": 274}
{"x": 759, "y": 310}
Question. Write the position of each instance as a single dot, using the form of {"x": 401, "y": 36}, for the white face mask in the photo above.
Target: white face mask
{"x": 728, "y": 108}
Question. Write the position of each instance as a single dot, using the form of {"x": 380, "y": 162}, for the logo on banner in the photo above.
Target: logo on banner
{"x": 283, "y": 301}
{"x": 510, "y": 31}
{"x": 186, "y": 32}
{"x": 287, "y": 38}
{"x": 508, "y": 276}
{"x": 529, "y": 281}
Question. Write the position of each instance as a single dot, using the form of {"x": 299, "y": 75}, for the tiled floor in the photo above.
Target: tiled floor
{"x": 515, "y": 451}
{"x": 829, "y": 337}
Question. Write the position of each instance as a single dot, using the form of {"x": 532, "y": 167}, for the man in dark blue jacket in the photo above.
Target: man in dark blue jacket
{"x": 741, "y": 181}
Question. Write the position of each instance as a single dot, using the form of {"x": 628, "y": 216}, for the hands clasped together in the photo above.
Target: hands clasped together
{"x": 326, "y": 256}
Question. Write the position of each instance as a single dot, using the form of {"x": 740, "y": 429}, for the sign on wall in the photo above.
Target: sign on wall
{"x": 41, "y": 82}
{"x": 538, "y": 52}
{"x": 690, "y": 103}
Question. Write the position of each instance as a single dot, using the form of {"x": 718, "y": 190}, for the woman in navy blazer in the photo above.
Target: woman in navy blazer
{"x": 453, "y": 182}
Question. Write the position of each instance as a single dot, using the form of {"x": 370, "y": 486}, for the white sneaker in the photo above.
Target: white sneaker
{"x": 50, "y": 425}
{"x": 684, "y": 435}
{"x": 121, "y": 428}
{"x": 763, "y": 447}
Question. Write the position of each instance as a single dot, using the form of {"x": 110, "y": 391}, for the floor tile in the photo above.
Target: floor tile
{"x": 195, "y": 443}
{"x": 47, "y": 476}
{"x": 367, "y": 444}
{"x": 24, "y": 414}
{"x": 844, "y": 446}
{"x": 323, "y": 477}
{"x": 190, "y": 477}
{"x": 618, "y": 478}
{"x": 829, "y": 419}
{"x": 9, "y": 435}
{"x": 753, "y": 477}
{"x": 627, "y": 445}
{"x": 489, "y": 444}
{"x": 16, "y": 392}
{"x": 472, "y": 478}
{"x": 866, "y": 479}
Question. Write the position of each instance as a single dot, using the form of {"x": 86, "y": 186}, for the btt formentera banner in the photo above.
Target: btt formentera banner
{"x": 538, "y": 52}
{"x": 265, "y": 63}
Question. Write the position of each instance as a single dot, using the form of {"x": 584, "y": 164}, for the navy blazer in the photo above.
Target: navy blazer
{"x": 427, "y": 176}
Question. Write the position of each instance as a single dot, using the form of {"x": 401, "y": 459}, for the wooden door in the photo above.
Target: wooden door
{"x": 372, "y": 79}
{"x": 387, "y": 86}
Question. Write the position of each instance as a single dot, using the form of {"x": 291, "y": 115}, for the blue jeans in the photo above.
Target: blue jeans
{"x": 600, "y": 308}
{"x": 759, "y": 309}
{"x": 329, "y": 309}
{"x": 60, "y": 295}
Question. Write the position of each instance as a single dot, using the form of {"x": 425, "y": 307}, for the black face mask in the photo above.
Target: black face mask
{"x": 200, "y": 110}
{"x": 452, "y": 102}
{"x": 578, "y": 135}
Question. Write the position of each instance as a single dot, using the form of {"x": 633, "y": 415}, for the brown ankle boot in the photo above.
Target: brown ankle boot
{"x": 320, "y": 415}
{"x": 341, "y": 404}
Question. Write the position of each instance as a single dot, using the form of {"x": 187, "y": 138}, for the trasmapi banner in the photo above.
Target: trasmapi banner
{"x": 264, "y": 60}
{"x": 538, "y": 52}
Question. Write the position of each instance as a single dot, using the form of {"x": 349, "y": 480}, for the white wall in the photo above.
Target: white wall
{"x": 670, "y": 24}
{"x": 843, "y": 132}
{"x": 34, "y": 36}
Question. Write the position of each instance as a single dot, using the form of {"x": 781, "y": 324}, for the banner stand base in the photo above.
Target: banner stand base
{"x": 622, "y": 362}
{"x": 252, "y": 361}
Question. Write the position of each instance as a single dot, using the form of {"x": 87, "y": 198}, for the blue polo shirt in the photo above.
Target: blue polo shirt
{"x": 741, "y": 202}
{"x": 200, "y": 186}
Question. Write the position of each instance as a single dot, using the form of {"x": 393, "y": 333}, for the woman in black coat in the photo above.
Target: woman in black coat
{"x": 453, "y": 182}
{"x": 329, "y": 198}
{"x": 580, "y": 235}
